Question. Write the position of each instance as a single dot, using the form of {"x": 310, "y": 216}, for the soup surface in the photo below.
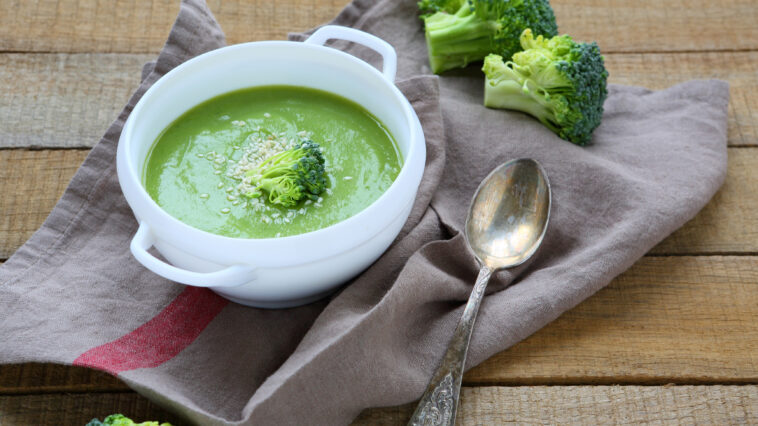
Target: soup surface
{"x": 195, "y": 169}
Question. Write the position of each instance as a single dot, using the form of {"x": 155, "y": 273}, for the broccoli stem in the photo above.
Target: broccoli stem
{"x": 456, "y": 40}
{"x": 509, "y": 94}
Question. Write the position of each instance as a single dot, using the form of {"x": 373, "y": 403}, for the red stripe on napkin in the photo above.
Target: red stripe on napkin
{"x": 161, "y": 338}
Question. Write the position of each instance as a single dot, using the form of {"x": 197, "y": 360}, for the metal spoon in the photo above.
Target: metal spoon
{"x": 506, "y": 222}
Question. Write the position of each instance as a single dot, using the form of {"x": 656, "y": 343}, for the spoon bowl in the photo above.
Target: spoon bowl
{"x": 508, "y": 216}
{"x": 505, "y": 225}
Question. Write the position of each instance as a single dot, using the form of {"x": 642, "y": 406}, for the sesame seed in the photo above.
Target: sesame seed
{"x": 199, "y": 155}
{"x": 204, "y": 196}
{"x": 220, "y": 185}
{"x": 231, "y": 198}
{"x": 267, "y": 115}
{"x": 226, "y": 210}
{"x": 347, "y": 178}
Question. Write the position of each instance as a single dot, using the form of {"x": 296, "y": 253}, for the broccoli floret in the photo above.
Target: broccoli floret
{"x": 559, "y": 81}
{"x": 430, "y": 7}
{"x": 463, "y": 31}
{"x": 121, "y": 420}
{"x": 291, "y": 175}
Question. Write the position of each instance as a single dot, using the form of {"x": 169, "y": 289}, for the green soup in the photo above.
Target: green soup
{"x": 192, "y": 170}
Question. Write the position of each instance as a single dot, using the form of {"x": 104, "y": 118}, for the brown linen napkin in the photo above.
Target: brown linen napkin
{"x": 74, "y": 295}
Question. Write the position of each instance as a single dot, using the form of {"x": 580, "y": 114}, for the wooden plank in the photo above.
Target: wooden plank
{"x": 660, "y": 26}
{"x": 142, "y": 26}
{"x": 32, "y": 182}
{"x": 681, "y": 319}
{"x": 35, "y": 378}
{"x": 729, "y": 222}
{"x": 63, "y": 100}
{"x": 68, "y": 100}
{"x": 138, "y": 27}
{"x": 658, "y": 71}
{"x": 78, "y": 409}
{"x": 592, "y": 405}
{"x": 478, "y": 406}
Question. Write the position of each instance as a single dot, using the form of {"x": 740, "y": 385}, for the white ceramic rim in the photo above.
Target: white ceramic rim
{"x": 351, "y": 231}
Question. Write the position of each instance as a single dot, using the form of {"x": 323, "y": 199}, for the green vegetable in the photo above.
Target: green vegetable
{"x": 291, "y": 175}
{"x": 121, "y": 420}
{"x": 430, "y": 7}
{"x": 560, "y": 82}
{"x": 459, "y": 32}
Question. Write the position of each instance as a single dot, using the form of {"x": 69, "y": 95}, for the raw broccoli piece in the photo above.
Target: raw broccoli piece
{"x": 121, "y": 420}
{"x": 430, "y": 7}
{"x": 291, "y": 175}
{"x": 459, "y": 32}
{"x": 557, "y": 80}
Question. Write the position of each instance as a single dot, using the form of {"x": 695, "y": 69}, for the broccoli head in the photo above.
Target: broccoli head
{"x": 290, "y": 175}
{"x": 459, "y": 32}
{"x": 121, "y": 420}
{"x": 557, "y": 80}
{"x": 430, "y": 7}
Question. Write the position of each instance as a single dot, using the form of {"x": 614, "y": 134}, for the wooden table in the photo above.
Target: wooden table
{"x": 673, "y": 340}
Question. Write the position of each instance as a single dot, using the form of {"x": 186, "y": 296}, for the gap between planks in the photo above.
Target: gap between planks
{"x": 67, "y": 100}
{"x": 33, "y": 181}
{"x": 683, "y": 320}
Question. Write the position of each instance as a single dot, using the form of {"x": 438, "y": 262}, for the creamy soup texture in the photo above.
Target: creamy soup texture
{"x": 194, "y": 168}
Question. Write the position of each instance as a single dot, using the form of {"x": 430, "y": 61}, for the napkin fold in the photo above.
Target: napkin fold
{"x": 74, "y": 295}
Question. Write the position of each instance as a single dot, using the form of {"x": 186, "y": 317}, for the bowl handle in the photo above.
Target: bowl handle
{"x": 389, "y": 57}
{"x": 232, "y": 276}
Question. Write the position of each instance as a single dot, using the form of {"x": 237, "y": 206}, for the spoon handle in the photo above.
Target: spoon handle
{"x": 440, "y": 401}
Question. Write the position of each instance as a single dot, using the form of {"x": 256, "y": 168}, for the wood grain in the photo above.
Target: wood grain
{"x": 728, "y": 224}
{"x": 78, "y": 409}
{"x": 592, "y": 405}
{"x": 679, "y": 319}
{"x": 37, "y": 378}
{"x": 659, "y": 71}
{"x": 68, "y": 100}
{"x": 675, "y": 319}
{"x": 63, "y": 100}
{"x": 142, "y": 26}
{"x": 479, "y": 406}
{"x": 139, "y": 27}
{"x": 32, "y": 182}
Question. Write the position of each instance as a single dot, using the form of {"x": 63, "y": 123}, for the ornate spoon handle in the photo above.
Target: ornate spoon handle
{"x": 440, "y": 401}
